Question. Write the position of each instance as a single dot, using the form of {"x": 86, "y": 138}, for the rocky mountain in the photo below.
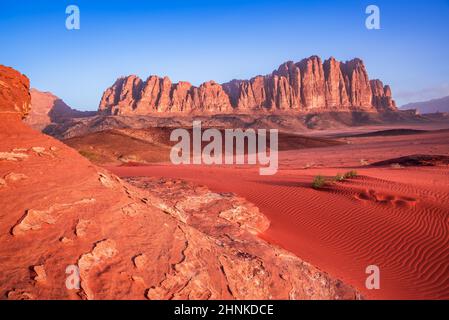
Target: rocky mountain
{"x": 46, "y": 109}
{"x": 307, "y": 86}
{"x": 72, "y": 230}
{"x": 431, "y": 106}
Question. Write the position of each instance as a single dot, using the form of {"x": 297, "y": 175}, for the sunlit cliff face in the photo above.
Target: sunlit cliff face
{"x": 14, "y": 93}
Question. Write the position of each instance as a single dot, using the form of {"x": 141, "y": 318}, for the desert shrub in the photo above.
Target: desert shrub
{"x": 350, "y": 174}
{"x": 92, "y": 156}
{"x": 339, "y": 177}
{"x": 318, "y": 182}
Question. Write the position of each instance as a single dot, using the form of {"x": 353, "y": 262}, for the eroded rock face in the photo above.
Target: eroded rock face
{"x": 357, "y": 83}
{"x": 14, "y": 92}
{"x": 382, "y": 98}
{"x": 307, "y": 86}
{"x": 131, "y": 95}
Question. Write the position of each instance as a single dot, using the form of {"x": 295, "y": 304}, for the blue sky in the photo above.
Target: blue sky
{"x": 202, "y": 40}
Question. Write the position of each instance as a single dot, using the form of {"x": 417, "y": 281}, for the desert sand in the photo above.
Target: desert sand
{"x": 392, "y": 216}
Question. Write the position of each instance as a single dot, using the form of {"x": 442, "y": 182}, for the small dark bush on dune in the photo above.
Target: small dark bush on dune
{"x": 318, "y": 182}
{"x": 339, "y": 177}
{"x": 350, "y": 174}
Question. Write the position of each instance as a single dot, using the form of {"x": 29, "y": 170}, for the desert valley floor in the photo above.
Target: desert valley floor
{"x": 394, "y": 215}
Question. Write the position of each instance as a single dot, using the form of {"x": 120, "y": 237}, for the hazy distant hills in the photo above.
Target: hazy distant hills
{"x": 46, "y": 109}
{"x": 431, "y": 106}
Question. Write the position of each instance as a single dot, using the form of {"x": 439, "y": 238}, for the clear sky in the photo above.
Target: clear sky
{"x": 198, "y": 41}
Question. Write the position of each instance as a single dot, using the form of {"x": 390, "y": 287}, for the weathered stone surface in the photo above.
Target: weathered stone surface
{"x": 35, "y": 219}
{"x": 102, "y": 251}
{"x": 14, "y": 177}
{"x": 14, "y": 92}
{"x": 140, "y": 261}
{"x": 12, "y": 156}
{"x": 41, "y": 275}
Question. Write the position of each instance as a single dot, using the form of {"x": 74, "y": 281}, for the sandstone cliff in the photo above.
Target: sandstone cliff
{"x": 149, "y": 240}
{"x": 307, "y": 86}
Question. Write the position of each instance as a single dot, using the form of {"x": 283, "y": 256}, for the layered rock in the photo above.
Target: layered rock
{"x": 71, "y": 230}
{"x": 307, "y": 86}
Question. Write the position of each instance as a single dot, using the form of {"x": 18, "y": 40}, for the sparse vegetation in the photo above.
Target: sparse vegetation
{"x": 318, "y": 182}
{"x": 339, "y": 177}
{"x": 350, "y": 174}
{"x": 92, "y": 156}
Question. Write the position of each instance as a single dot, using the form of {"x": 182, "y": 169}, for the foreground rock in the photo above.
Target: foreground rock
{"x": 307, "y": 86}
{"x": 70, "y": 230}
{"x": 14, "y": 92}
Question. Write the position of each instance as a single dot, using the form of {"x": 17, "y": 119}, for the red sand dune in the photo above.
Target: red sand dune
{"x": 395, "y": 218}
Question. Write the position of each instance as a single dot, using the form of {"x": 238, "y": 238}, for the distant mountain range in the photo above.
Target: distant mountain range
{"x": 307, "y": 86}
{"x": 46, "y": 108}
{"x": 431, "y": 106}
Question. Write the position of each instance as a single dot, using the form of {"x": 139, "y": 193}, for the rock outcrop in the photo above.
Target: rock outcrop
{"x": 131, "y": 95}
{"x": 307, "y": 86}
{"x": 71, "y": 230}
{"x": 46, "y": 108}
{"x": 14, "y": 92}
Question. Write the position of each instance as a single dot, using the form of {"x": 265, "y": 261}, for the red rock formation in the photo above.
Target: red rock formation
{"x": 357, "y": 84}
{"x": 307, "y": 86}
{"x": 335, "y": 88}
{"x": 61, "y": 216}
{"x": 130, "y": 95}
{"x": 313, "y": 83}
{"x": 46, "y": 108}
{"x": 14, "y": 92}
{"x": 382, "y": 98}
